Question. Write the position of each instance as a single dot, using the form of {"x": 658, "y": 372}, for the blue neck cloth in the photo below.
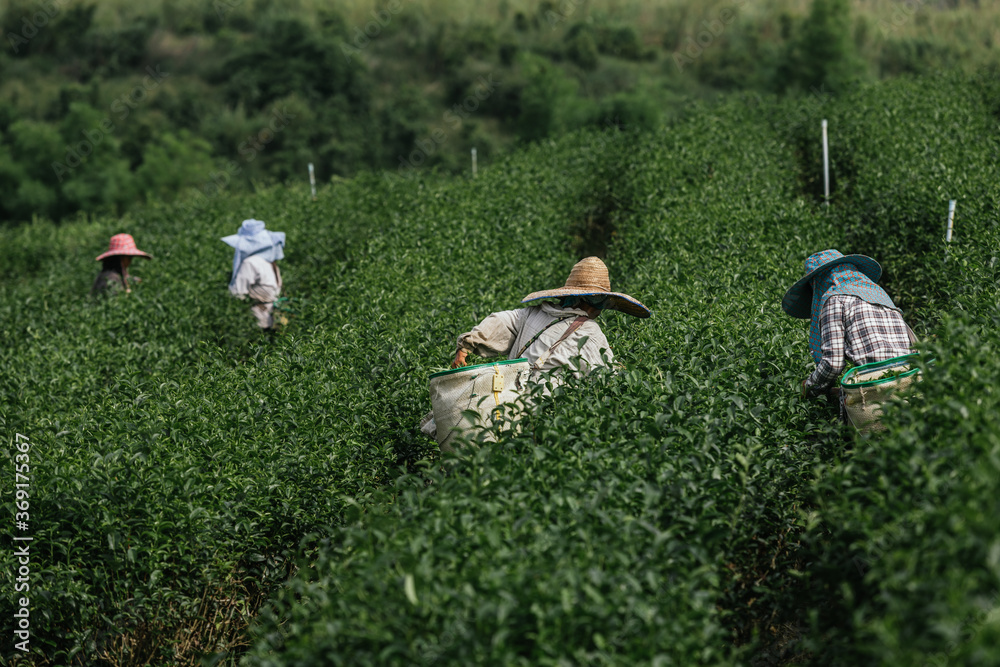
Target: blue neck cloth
{"x": 253, "y": 239}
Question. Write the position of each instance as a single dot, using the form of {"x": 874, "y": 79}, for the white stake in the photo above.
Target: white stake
{"x": 312, "y": 180}
{"x": 951, "y": 220}
{"x": 826, "y": 167}
{"x": 473, "y": 162}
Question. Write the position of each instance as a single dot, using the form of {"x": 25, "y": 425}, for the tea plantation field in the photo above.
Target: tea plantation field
{"x": 202, "y": 491}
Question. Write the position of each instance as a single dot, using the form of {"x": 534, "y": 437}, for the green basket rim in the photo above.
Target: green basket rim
{"x": 505, "y": 362}
{"x": 877, "y": 364}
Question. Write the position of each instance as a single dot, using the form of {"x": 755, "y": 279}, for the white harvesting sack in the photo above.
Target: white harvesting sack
{"x": 864, "y": 390}
{"x": 480, "y": 389}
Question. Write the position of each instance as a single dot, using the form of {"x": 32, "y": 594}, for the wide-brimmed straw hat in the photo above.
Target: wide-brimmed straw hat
{"x": 797, "y": 301}
{"x": 589, "y": 277}
{"x": 123, "y": 244}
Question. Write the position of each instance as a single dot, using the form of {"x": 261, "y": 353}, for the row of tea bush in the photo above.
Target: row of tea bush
{"x": 689, "y": 509}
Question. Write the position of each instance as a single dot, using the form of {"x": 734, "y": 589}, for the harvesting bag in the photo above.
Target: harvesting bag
{"x": 864, "y": 389}
{"x": 480, "y": 389}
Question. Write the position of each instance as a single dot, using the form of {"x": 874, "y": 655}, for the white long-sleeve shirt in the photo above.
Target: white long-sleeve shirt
{"x": 507, "y": 333}
{"x": 260, "y": 280}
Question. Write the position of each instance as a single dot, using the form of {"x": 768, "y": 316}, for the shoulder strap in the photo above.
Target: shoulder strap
{"x": 576, "y": 324}
{"x": 913, "y": 336}
{"x": 543, "y": 330}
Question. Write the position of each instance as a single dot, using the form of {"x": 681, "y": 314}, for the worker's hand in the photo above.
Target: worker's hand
{"x": 805, "y": 390}
{"x": 459, "y": 358}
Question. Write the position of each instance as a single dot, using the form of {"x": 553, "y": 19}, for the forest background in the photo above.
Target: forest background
{"x": 105, "y": 105}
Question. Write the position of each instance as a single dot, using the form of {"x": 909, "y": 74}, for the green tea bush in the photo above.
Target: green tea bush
{"x": 183, "y": 456}
{"x": 823, "y": 56}
{"x": 202, "y": 489}
{"x": 766, "y": 492}
{"x": 899, "y": 151}
{"x": 900, "y": 547}
{"x": 641, "y": 514}
{"x": 582, "y": 49}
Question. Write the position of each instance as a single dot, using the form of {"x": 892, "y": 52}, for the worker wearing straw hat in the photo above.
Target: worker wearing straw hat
{"x": 255, "y": 275}
{"x": 851, "y": 317}
{"x": 550, "y": 335}
{"x": 114, "y": 276}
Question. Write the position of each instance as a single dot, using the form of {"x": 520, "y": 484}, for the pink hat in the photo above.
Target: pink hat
{"x": 123, "y": 244}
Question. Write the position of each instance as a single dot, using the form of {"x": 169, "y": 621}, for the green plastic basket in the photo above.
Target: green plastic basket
{"x": 867, "y": 375}
{"x": 462, "y": 369}
{"x": 863, "y": 390}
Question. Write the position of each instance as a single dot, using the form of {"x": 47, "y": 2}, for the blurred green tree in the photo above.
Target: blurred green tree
{"x": 825, "y": 54}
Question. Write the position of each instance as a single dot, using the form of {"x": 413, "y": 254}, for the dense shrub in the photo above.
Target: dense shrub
{"x": 638, "y": 514}
{"x": 290, "y": 58}
{"x": 621, "y": 42}
{"x": 891, "y": 195}
{"x": 702, "y": 443}
{"x": 582, "y": 49}
{"x": 354, "y": 67}
{"x": 688, "y": 508}
{"x": 822, "y": 55}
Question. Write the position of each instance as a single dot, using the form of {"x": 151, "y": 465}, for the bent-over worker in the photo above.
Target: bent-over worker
{"x": 549, "y": 335}
{"x": 255, "y": 268}
{"x": 851, "y": 317}
{"x": 114, "y": 276}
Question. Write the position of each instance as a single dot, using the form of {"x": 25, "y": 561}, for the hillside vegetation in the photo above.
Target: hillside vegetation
{"x": 103, "y": 105}
{"x": 201, "y": 489}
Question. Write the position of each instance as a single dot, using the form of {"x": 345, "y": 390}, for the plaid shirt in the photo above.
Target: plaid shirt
{"x": 860, "y": 331}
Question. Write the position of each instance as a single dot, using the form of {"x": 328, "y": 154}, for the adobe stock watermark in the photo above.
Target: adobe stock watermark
{"x": 453, "y": 117}
{"x": 903, "y": 12}
{"x": 31, "y": 24}
{"x": 971, "y": 626}
{"x": 711, "y": 31}
{"x": 562, "y": 13}
{"x": 362, "y": 37}
{"x": 22, "y": 548}
{"x": 878, "y": 548}
{"x": 248, "y": 150}
{"x": 434, "y": 651}
{"x": 78, "y": 152}
{"x": 224, "y": 7}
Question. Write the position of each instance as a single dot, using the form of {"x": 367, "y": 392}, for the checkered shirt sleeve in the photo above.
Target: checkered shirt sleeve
{"x": 862, "y": 332}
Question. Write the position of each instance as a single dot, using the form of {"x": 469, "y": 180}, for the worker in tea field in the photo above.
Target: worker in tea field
{"x": 550, "y": 335}
{"x": 114, "y": 276}
{"x": 255, "y": 274}
{"x": 852, "y": 318}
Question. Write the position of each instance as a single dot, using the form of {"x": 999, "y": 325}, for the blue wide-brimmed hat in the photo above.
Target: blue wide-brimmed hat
{"x": 797, "y": 301}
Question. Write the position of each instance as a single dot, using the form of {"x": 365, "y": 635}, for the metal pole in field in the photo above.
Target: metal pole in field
{"x": 473, "y": 162}
{"x": 312, "y": 180}
{"x": 951, "y": 220}
{"x": 826, "y": 167}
